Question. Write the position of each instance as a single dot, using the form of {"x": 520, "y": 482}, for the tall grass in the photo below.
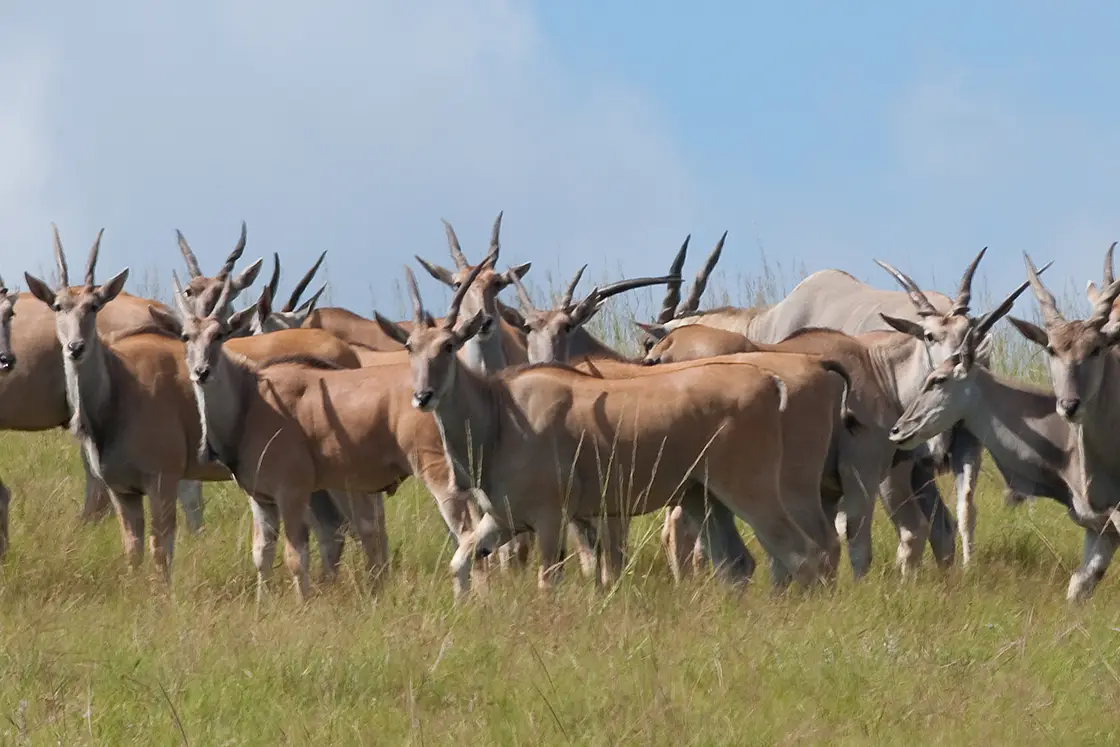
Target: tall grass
{"x": 91, "y": 654}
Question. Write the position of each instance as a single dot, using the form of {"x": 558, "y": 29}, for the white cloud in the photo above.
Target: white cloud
{"x": 349, "y": 126}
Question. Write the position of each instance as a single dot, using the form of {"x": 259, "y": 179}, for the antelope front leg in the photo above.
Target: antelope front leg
{"x": 942, "y": 531}
{"x": 266, "y": 528}
{"x": 130, "y": 513}
{"x": 297, "y": 554}
{"x": 162, "y": 496}
{"x": 965, "y": 456}
{"x": 907, "y": 517}
{"x": 329, "y": 519}
{"x": 481, "y": 540}
{"x": 368, "y": 516}
{"x": 97, "y": 502}
{"x": 612, "y": 542}
{"x": 550, "y": 542}
{"x": 1099, "y": 547}
{"x": 190, "y": 496}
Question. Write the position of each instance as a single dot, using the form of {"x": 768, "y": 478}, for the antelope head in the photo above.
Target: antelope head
{"x": 672, "y": 307}
{"x": 947, "y": 395}
{"x": 1074, "y": 349}
{"x": 7, "y": 311}
{"x": 482, "y": 294}
{"x": 75, "y": 308}
{"x": 202, "y": 292}
{"x": 290, "y": 316}
{"x": 943, "y": 334}
{"x": 204, "y": 335}
{"x": 432, "y": 347}
{"x": 550, "y": 331}
{"x": 1093, "y": 293}
{"x": 692, "y": 342}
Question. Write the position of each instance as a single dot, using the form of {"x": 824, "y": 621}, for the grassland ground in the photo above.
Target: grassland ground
{"x": 94, "y": 655}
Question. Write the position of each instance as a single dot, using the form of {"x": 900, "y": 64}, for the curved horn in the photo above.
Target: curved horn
{"x": 1050, "y": 313}
{"x": 273, "y": 283}
{"x": 185, "y": 249}
{"x": 309, "y": 304}
{"x": 457, "y": 299}
{"x": 180, "y": 299}
{"x": 566, "y": 299}
{"x": 624, "y": 285}
{"x": 1108, "y": 278}
{"x": 93, "y": 252}
{"x": 523, "y": 294}
{"x": 701, "y": 283}
{"x": 917, "y": 297}
{"x": 1102, "y": 308}
{"x": 414, "y": 295}
{"x": 986, "y": 322}
{"x": 673, "y": 293}
{"x": 453, "y": 245}
{"x": 495, "y": 239}
{"x": 235, "y": 255}
{"x": 964, "y": 293}
{"x": 305, "y": 281}
{"x": 3, "y": 286}
{"x": 220, "y": 306}
{"x": 60, "y": 259}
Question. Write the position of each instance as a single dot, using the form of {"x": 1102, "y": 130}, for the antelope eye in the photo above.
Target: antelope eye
{"x": 930, "y": 337}
{"x": 456, "y": 285}
{"x": 56, "y": 306}
{"x": 1050, "y": 350}
{"x": 408, "y": 347}
{"x": 188, "y": 292}
{"x": 447, "y": 348}
{"x": 183, "y": 337}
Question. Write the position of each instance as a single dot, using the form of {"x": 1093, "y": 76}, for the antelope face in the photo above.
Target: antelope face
{"x": 203, "y": 338}
{"x": 942, "y": 334}
{"x": 202, "y": 293}
{"x": 7, "y": 311}
{"x": 946, "y": 396}
{"x": 549, "y": 335}
{"x": 1076, "y": 353}
{"x": 75, "y": 311}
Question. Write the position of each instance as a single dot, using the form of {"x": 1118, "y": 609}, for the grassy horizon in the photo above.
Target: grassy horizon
{"x": 95, "y": 655}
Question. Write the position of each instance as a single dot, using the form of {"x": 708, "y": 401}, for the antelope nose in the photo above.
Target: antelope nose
{"x": 1068, "y": 408}
{"x": 421, "y": 399}
{"x": 76, "y": 348}
{"x": 202, "y": 373}
{"x": 7, "y": 361}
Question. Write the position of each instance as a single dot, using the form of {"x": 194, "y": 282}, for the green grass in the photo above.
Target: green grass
{"x": 91, "y": 654}
{"x": 94, "y": 655}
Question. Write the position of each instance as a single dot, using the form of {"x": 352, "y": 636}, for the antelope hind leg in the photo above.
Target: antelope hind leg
{"x": 190, "y": 496}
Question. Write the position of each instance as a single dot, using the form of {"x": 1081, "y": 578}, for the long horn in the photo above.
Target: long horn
{"x": 414, "y": 295}
{"x": 566, "y": 299}
{"x": 457, "y": 299}
{"x": 309, "y": 304}
{"x": 964, "y": 293}
{"x": 223, "y": 301}
{"x": 1102, "y": 308}
{"x": 60, "y": 258}
{"x": 624, "y": 285}
{"x": 305, "y": 281}
{"x": 701, "y": 283}
{"x": 93, "y": 252}
{"x": 3, "y": 286}
{"x": 986, "y": 322}
{"x": 1108, "y": 278}
{"x": 453, "y": 245}
{"x": 917, "y": 296}
{"x": 274, "y": 282}
{"x": 523, "y": 294}
{"x": 673, "y": 293}
{"x": 180, "y": 299}
{"x": 192, "y": 261}
{"x": 495, "y": 239}
{"x": 1050, "y": 313}
{"x": 235, "y": 255}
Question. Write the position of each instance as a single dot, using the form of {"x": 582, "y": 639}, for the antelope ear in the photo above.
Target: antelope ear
{"x": 517, "y": 270}
{"x": 1032, "y": 332}
{"x": 905, "y": 326}
{"x": 165, "y": 320}
{"x": 513, "y": 318}
{"x": 391, "y": 329}
{"x": 39, "y": 289}
{"x": 656, "y": 331}
{"x": 112, "y": 289}
{"x": 468, "y": 329}
{"x": 239, "y": 320}
{"x": 441, "y": 274}
{"x": 1092, "y": 292}
{"x": 246, "y": 277}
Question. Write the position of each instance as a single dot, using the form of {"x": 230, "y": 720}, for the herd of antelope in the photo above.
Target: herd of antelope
{"x": 522, "y": 424}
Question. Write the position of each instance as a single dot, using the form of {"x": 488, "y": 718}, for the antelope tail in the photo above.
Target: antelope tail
{"x": 846, "y": 416}
{"x": 783, "y": 392}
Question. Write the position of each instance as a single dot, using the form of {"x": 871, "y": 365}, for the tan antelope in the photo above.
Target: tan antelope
{"x": 295, "y": 425}
{"x": 8, "y": 361}
{"x": 1051, "y": 444}
{"x": 834, "y": 299}
{"x": 550, "y": 443}
{"x": 33, "y": 398}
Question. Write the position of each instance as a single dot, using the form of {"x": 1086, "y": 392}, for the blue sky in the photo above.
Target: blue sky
{"x": 824, "y": 134}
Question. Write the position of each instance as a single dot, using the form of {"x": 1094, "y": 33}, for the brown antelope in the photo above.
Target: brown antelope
{"x": 539, "y": 435}
{"x": 935, "y": 324}
{"x": 295, "y": 425}
{"x": 1052, "y": 444}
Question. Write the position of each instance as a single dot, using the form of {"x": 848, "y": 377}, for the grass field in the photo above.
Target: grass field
{"x": 90, "y": 654}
